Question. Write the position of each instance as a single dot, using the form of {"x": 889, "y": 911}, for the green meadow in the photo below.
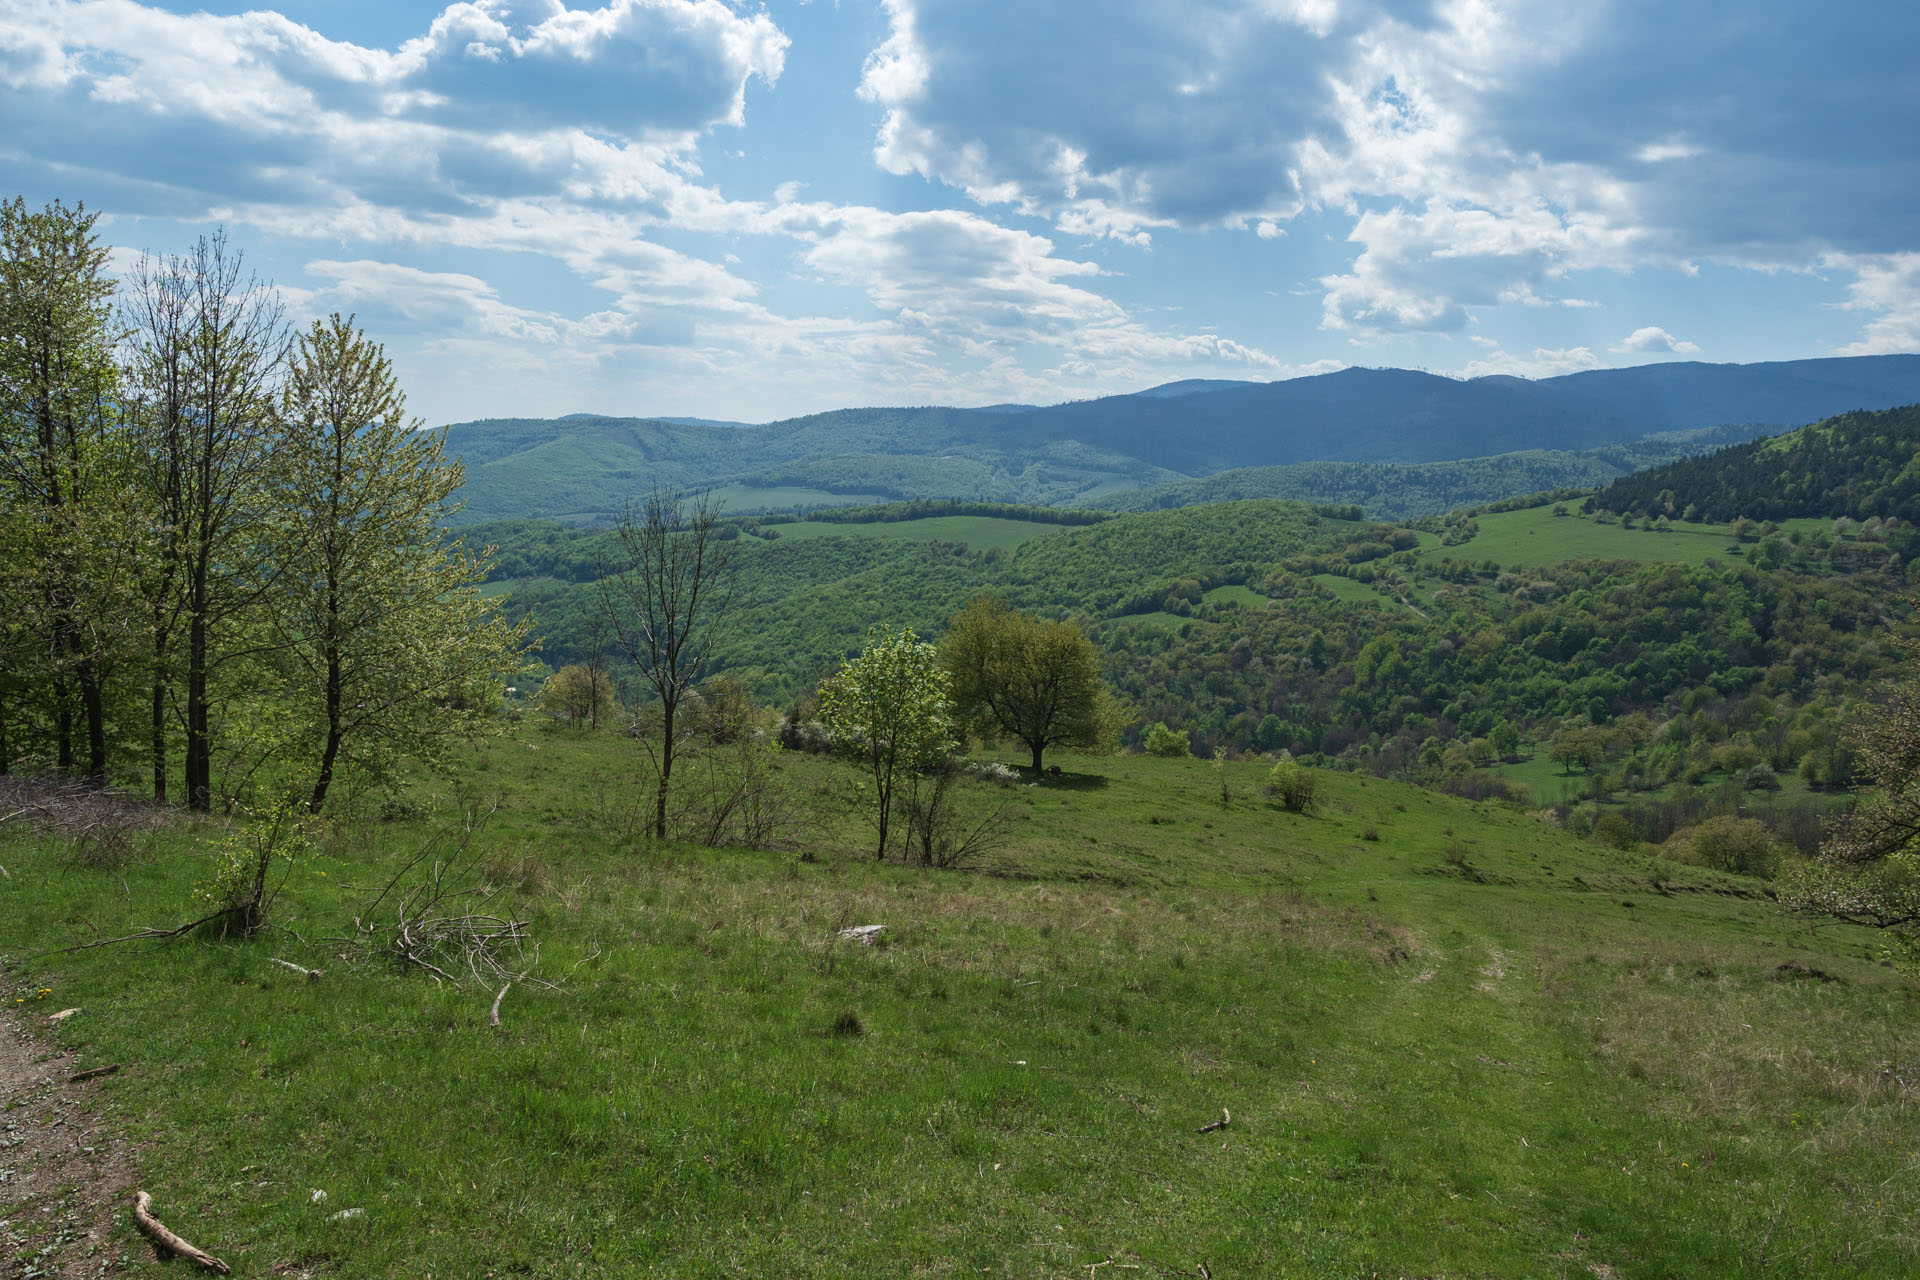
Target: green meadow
{"x": 1449, "y": 1040}
{"x": 1534, "y": 538}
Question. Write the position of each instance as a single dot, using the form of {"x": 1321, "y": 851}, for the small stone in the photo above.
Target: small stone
{"x": 864, "y": 934}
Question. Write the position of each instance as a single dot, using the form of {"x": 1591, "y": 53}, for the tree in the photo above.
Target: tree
{"x": 59, "y": 454}
{"x": 379, "y": 618}
{"x": 1867, "y": 871}
{"x": 578, "y": 692}
{"x": 209, "y": 344}
{"x": 667, "y": 599}
{"x": 1162, "y": 741}
{"x": 890, "y": 709}
{"x": 1038, "y": 681}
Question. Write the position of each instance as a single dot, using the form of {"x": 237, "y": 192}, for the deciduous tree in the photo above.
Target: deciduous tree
{"x": 890, "y": 709}
{"x": 378, "y": 617}
{"x": 60, "y": 457}
{"x": 667, "y": 598}
{"x": 1033, "y": 679}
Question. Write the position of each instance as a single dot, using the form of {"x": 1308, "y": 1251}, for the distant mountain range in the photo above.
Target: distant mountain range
{"x": 1091, "y": 452}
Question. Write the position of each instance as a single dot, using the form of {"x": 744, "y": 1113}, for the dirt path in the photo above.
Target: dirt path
{"x": 64, "y": 1174}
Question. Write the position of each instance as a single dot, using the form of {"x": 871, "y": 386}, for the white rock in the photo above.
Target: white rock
{"x": 864, "y": 934}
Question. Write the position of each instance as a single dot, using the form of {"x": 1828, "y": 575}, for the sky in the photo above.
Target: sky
{"x": 755, "y": 211}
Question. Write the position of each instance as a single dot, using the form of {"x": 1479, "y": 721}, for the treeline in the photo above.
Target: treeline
{"x": 1858, "y": 465}
{"x": 220, "y": 541}
{"x": 927, "y": 508}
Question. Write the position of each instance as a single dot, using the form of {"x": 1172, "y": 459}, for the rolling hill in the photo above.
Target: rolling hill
{"x": 584, "y": 467}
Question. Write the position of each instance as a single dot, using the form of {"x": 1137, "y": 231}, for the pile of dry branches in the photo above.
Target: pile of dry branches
{"x": 440, "y": 914}
{"x": 99, "y": 822}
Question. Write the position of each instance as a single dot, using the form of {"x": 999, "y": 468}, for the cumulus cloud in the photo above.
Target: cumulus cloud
{"x": 1889, "y": 285}
{"x": 1481, "y": 150}
{"x": 1653, "y": 339}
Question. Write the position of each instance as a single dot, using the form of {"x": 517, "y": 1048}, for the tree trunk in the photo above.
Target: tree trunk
{"x": 159, "y": 716}
{"x": 332, "y": 752}
{"x": 94, "y": 704}
{"x": 199, "y": 762}
{"x": 1037, "y": 749}
{"x": 666, "y": 772}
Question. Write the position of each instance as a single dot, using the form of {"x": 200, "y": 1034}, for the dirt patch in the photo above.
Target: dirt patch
{"x": 64, "y": 1172}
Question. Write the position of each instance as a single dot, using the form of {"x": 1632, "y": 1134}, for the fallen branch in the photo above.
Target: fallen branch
{"x": 313, "y": 975}
{"x": 143, "y": 935}
{"x": 89, "y": 1074}
{"x": 168, "y": 1242}
{"x": 493, "y": 1018}
{"x": 1226, "y": 1118}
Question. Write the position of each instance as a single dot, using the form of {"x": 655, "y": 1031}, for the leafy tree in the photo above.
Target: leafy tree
{"x": 209, "y": 343}
{"x": 59, "y": 456}
{"x": 578, "y": 692}
{"x": 1162, "y": 741}
{"x": 667, "y": 597}
{"x": 1867, "y": 871}
{"x": 379, "y": 618}
{"x": 1036, "y": 680}
{"x": 891, "y": 710}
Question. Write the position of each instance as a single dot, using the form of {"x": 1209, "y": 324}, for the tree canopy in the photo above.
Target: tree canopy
{"x": 1033, "y": 679}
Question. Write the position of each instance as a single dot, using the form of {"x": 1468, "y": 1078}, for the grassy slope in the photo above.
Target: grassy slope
{"x": 1534, "y": 537}
{"x": 1453, "y": 1041}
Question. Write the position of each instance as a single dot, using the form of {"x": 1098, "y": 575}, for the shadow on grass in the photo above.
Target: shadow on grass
{"x": 1062, "y": 781}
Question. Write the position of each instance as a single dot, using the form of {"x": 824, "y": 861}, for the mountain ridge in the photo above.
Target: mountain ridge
{"x": 588, "y": 467}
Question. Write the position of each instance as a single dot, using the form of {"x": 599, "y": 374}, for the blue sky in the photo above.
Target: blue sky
{"x": 755, "y": 211}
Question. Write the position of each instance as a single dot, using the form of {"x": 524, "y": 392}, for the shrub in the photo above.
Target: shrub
{"x": 1171, "y": 743}
{"x": 1741, "y": 845}
{"x": 1295, "y": 786}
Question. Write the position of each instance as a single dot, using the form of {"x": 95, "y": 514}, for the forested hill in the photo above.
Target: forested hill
{"x": 586, "y": 467}
{"x": 1864, "y": 465}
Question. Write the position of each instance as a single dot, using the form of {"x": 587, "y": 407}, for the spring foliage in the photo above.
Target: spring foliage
{"x": 1032, "y": 679}
{"x": 890, "y": 709}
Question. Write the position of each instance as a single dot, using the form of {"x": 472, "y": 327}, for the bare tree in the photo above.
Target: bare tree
{"x": 667, "y": 600}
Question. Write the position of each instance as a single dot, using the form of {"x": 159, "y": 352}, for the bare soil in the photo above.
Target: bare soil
{"x": 65, "y": 1177}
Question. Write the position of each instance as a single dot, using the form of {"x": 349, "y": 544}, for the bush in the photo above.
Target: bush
{"x": 1741, "y": 845}
{"x": 1171, "y": 743}
{"x": 1295, "y": 786}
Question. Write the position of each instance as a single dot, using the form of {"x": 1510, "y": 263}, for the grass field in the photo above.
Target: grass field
{"x": 980, "y": 533}
{"x": 737, "y": 499}
{"x": 1234, "y": 593}
{"x": 1535, "y": 537}
{"x": 1452, "y": 1041}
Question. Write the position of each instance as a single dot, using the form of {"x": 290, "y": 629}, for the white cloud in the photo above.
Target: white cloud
{"x": 1888, "y": 284}
{"x": 1651, "y": 339}
{"x": 1541, "y": 363}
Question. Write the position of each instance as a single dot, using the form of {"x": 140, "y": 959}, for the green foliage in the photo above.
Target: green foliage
{"x": 891, "y": 710}
{"x": 1859, "y": 465}
{"x": 1170, "y": 743}
{"x": 383, "y": 633}
{"x": 252, "y": 864}
{"x": 1867, "y": 871}
{"x": 1295, "y": 786}
{"x": 1032, "y": 679}
{"x": 1725, "y": 842}
{"x": 580, "y": 694}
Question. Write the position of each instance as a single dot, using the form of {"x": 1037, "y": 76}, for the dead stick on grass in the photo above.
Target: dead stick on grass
{"x": 89, "y": 1074}
{"x": 167, "y": 1241}
{"x": 313, "y": 975}
{"x": 493, "y": 1018}
{"x": 1226, "y": 1118}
